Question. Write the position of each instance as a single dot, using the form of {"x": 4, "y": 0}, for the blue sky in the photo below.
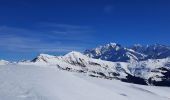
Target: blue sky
{"x": 30, "y": 27}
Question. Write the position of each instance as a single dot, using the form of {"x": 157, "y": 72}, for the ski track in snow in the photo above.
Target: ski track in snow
{"x": 28, "y": 82}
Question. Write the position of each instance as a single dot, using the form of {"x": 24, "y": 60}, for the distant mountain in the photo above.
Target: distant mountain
{"x": 114, "y": 52}
{"x": 147, "y": 65}
{"x": 77, "y": 62}
{"x": 155, "y": 51}
{"x": 148, "y": 72}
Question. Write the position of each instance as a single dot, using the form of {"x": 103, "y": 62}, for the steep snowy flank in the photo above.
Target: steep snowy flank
{"x": 114, "y": 52}
{"x": 75, "y": 61}
{"x": 154, "y": 71}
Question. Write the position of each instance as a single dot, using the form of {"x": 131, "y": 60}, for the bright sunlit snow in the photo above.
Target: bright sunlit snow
{"x": 28, "y": 82}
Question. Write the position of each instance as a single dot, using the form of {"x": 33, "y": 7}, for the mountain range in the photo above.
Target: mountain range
{"x": 116, "y": 52}
{"x": 146, "y": 65}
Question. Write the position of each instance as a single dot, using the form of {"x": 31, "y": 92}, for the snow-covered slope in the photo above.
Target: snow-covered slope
{"x": 154, "y": 71}
{"x": 149, "y": 72}
{"x": 4, "y": 62}
{"x": 75, "y": 61}
{"x": 23, "y": 82}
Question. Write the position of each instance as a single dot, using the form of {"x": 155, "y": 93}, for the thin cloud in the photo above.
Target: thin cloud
{"x": 64, "y": 49}
{"x": 64, "y": 26}
{"x": 28, "y": 44}
{"x": 69, "y": 32}
{"x": 24, "y": 40}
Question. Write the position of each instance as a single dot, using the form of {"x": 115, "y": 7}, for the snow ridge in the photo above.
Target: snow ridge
{"x": 148, "y": 72}
{"x": 112, "y": 61}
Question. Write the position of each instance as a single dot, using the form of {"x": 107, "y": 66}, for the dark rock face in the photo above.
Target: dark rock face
{"x": 165, "y": 79}
{"x": 134, "y": 79}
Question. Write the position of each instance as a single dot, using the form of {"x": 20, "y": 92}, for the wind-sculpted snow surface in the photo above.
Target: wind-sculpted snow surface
{"x": 29, "y": 82}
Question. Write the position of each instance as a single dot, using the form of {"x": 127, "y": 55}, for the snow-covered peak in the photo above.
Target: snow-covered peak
{"x": 113, "y": 52}
{"x": 43, "y": 57}
{"x": 100, "y": 49}
{"x": 75, "y": 58}
{"x": 112, "y": 45}
{"x": 74, "y": 54}
{"x": 109, "y": 45}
